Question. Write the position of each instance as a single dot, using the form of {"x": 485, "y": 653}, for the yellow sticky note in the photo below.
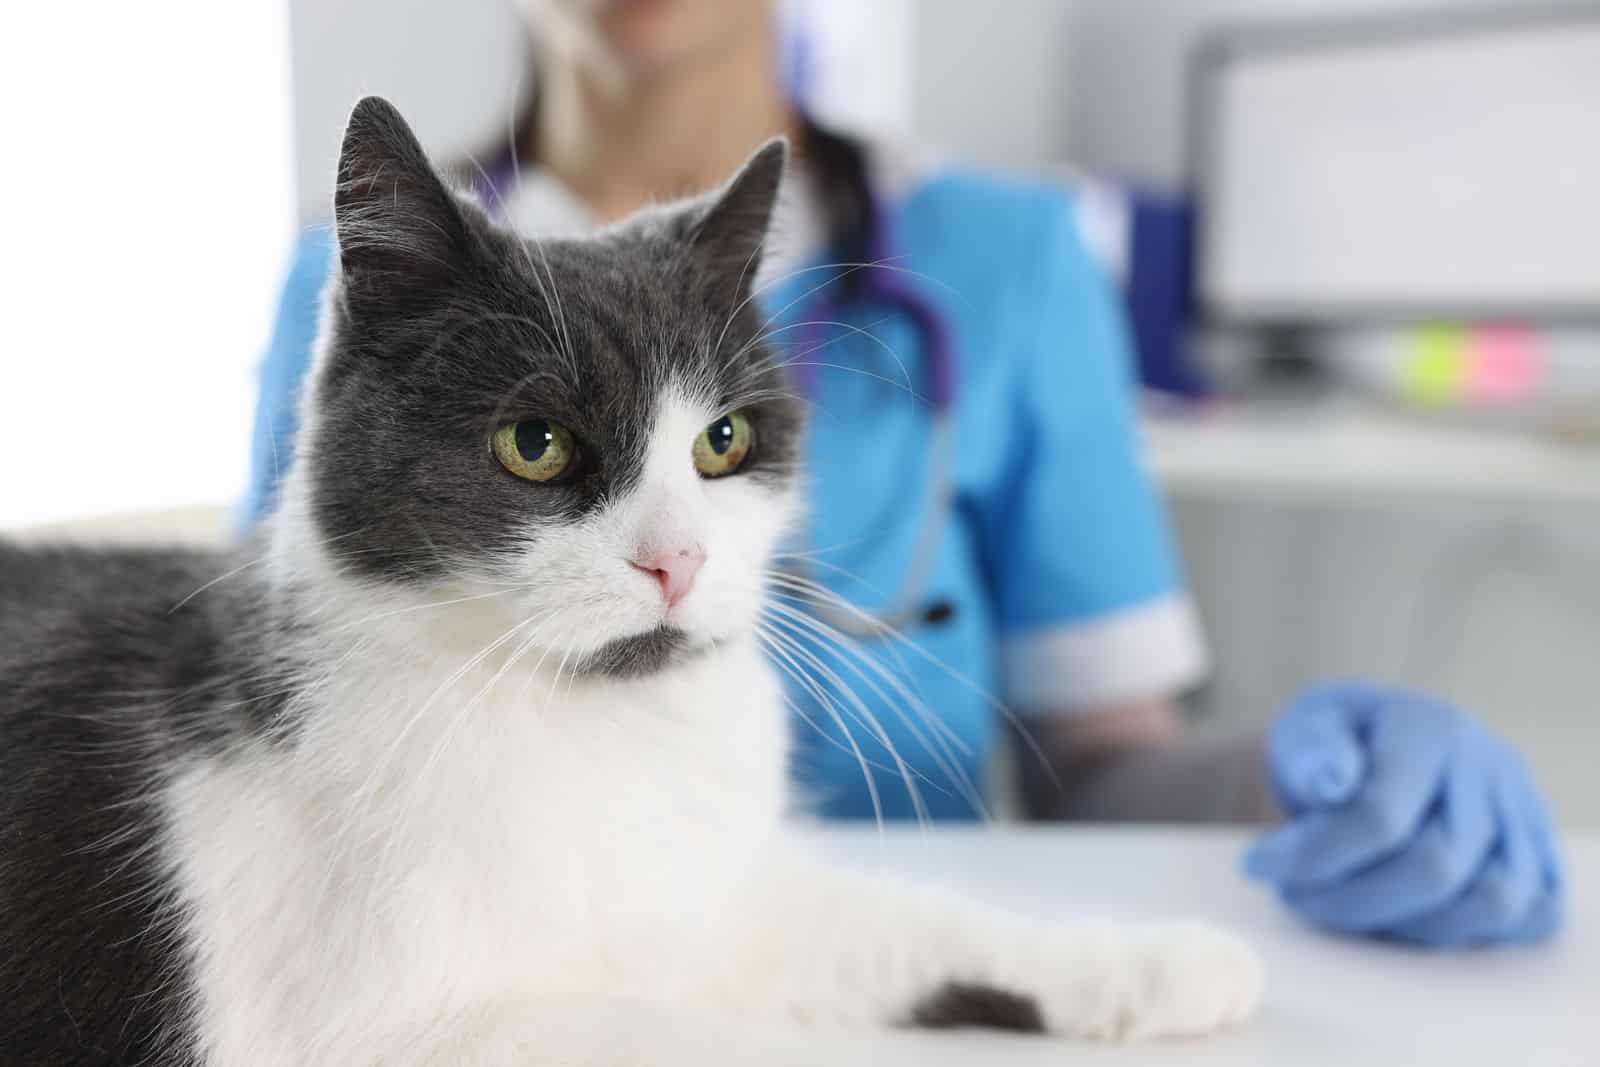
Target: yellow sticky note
{"x": 1433, "y": 368}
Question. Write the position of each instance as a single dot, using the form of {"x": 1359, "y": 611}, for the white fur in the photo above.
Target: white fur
{"x": 480, "y": 859}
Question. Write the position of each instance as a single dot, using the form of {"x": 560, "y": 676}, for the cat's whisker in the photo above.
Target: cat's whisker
{"x": 419, "y": 780}
{"x": 866, "y": 717}
{"x": 764, "y": 632}
{"x": 863, "y": 668}
{"x": 799, "y": 360}
{"x": 751, "y": 397}
{"x": 770, "y": 283}
{"x": 890, "y": 265}
{"x": 769, "y": 335}
{"x": 382, "y": 765}
{"x": 469, "y": 317}
{"x": 807, "y": 592}
{"x": 551, "y": 695}
{"x": 533, "y": 674}
{"x": 563, "y": 348}
{"x": 430, "y": 606}
{"x": 769, "y": 338}
{"x": 804, "y": 592}
{"x": 865, "y": 374}
{"x": 756, "y": 253}
{"x": 799, "y": 712}
{"x": 814, "y": 553}
{"x": 264, "y": 557}
{"x": 828, "y": 705}
{"x": 801, "y": 591}
{"x": 241, "y": 568}
{"x": 945, "y": 747}
{"x": 848, "y": 269}
{"x": 544, "y": 622}
{"x": 1016, "y": 722}
{"x": 553, "y": 293}
{"x": 844, "y": 330}
{"x": 526, "y": 240}
{"x": 366, "y": 795}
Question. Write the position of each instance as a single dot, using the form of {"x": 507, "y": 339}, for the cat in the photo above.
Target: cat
{"x": 470, "y": 754}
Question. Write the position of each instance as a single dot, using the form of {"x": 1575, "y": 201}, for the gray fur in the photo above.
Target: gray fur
{"x": 105, "y": 689}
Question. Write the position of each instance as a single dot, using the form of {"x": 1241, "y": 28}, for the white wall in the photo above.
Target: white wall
{"x": 149, "y": 189}
{"x": 990, "y": 80}
{"x": 455, "y": 69}
{"x": 1127, "y": 64}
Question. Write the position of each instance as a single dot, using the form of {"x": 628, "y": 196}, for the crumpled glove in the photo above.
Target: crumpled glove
{"x": 1407, "y": 820}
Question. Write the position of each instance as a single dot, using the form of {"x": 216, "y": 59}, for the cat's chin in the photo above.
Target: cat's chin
{"x": 643, "y": 654}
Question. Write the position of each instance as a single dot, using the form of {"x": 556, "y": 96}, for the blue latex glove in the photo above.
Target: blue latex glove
{"x": 1407, "y": 820}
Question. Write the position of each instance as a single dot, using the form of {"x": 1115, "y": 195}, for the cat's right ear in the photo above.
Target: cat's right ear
{"x": 397, "y": 224}
{"x": 727, "y": 229}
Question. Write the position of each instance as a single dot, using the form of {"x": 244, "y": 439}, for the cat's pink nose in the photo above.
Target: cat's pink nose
{"x": 673, "y": 568}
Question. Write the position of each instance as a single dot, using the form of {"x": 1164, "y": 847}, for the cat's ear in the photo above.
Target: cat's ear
{"x": 728, "y": 229}
{"x": 396, "y": 222}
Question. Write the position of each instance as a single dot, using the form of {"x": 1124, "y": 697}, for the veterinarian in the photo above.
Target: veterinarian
{"x": 975, "y": 483}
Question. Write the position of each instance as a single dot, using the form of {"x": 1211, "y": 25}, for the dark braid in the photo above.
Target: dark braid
{"x": 840, "y": 167}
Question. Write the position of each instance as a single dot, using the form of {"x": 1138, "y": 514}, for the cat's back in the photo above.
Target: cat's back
{"x": 101, "y": 660}
{"x": 82, "y": 626}
{"x": 50, "y": 582}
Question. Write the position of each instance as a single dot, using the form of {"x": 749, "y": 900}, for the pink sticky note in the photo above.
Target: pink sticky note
{"x": 1505, "y": 364}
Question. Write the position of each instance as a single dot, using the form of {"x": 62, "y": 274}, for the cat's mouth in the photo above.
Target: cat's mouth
{"x": 640, "y": 654}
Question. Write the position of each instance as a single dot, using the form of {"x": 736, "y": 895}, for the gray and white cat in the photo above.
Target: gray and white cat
{"x": 472, "y": 756}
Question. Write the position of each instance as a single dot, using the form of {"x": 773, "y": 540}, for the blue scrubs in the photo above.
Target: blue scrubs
{"x": 1054, "y": 561}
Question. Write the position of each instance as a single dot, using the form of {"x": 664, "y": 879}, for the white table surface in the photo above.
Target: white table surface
{"x": 1343, "y": 451}
{"x": 1329, "y": 1001}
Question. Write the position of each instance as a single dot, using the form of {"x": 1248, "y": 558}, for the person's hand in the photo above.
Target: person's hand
{"x": 1406, "y": 819}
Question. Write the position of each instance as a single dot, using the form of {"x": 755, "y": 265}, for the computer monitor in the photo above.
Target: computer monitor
{"x": 1400, "y": 168}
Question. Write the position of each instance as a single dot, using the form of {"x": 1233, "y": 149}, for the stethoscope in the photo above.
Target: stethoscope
{"x": 910, "y": 605}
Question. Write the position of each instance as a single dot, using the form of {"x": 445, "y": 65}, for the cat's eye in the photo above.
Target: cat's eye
{"x": 536, "y": 449}
{"x": 722, "y": 448}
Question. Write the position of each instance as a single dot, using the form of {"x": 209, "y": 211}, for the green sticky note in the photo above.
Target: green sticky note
{"x": 1433, "y": 368}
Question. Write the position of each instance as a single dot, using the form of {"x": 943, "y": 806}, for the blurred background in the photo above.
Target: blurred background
{"x": 1358, "y": 242}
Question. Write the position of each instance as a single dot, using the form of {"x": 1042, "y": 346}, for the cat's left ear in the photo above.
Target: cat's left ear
{"x": 728, "y": 230}
{"x": 399, "y": 227}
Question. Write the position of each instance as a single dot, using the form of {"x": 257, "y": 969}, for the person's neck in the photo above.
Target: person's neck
{"x": 619, "y": 146}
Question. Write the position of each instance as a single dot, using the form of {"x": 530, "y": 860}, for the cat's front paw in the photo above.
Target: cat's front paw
{"x": 1162, "y": 981}
{"x": 1193, "y": 979}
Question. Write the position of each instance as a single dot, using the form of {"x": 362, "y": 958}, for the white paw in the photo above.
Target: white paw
{"x": 1193, "y": 979}
{"x": 1158, "y": 981}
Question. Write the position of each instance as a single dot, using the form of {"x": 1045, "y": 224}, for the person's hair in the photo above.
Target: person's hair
{"x": 839, "y": 165}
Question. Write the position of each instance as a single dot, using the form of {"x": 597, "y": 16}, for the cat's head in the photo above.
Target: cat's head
{"x": 585, "y": 439}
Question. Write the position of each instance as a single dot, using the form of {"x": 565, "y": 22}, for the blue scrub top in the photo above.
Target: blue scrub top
{"x": 1055, "y": 557}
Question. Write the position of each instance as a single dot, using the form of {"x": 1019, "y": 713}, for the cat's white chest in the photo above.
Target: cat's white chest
{"x": 597, "y": 839}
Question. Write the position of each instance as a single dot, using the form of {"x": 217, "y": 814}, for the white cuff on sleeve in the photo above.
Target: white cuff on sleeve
{"x": 1150, "y": 650}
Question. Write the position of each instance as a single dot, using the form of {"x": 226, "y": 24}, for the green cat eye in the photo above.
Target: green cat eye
{"x": 722, "y": 448}
{"x": 536, "y": 449}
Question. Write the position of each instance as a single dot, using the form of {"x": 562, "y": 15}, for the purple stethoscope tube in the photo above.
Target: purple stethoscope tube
{"x": 883, "y": 285}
